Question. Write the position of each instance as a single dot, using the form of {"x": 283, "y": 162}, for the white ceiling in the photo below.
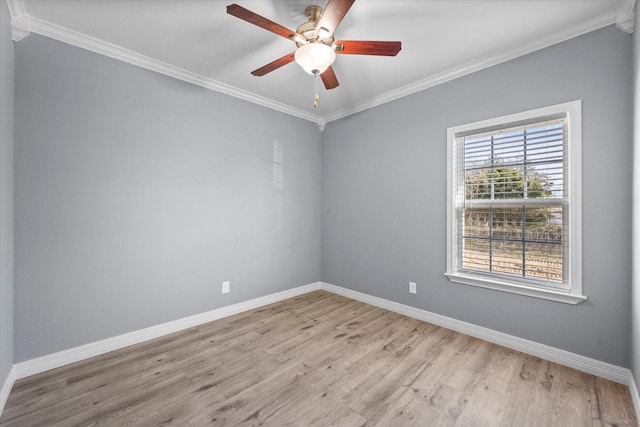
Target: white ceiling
{"x": 196, "y": 40}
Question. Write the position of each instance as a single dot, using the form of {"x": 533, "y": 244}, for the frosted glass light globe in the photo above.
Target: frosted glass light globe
{"x": 315, "y": 58}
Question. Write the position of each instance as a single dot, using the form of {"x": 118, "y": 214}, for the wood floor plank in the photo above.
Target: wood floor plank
{"x": 438, "y": 406}
{"x": 318, "y": 359}
{"x": 614, "y": 400}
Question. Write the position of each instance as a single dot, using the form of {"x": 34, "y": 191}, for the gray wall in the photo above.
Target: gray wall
{"x": 136, "y": 195}
{"x": 6, "y": 193}
{"x": 384, "y": 196}
{"x": 635, "y": 290}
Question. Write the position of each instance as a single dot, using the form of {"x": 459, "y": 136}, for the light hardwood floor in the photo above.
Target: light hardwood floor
{"x": 317, "y": 360}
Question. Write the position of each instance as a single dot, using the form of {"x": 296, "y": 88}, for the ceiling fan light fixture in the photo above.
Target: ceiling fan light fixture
{"x": 315, "y": 58}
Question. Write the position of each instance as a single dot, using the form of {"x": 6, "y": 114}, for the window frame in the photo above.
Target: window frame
{"x": 572, "y": 292}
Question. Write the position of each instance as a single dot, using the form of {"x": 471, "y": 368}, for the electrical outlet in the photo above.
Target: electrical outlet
{"x": 412, "y": 287}
{"x": 225, "y": 287}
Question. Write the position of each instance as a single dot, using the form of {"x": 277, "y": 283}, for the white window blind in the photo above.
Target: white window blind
{"x": 513, "y": 215}
{"x": 513, "y": 201}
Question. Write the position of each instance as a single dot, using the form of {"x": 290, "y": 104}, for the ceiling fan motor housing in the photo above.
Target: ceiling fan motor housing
{"x": 308, "y": 29}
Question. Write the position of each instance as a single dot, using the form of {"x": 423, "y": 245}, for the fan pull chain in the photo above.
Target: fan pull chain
{"x": 315, "y": 81}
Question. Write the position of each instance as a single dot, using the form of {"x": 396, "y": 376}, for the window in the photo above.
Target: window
{"x": 513, "y": 218}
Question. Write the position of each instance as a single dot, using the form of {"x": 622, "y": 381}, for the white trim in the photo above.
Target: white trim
{"x": 6, "y": 388}
{"x": 573, "y": 292}
{"x": 19, "y": 19}
{"x": 110, "y": 50}
{"x": 20, "y": 27}
{"x": 65, "y": 357}
{"x": 472, "y": 67}
{"x": 16, "y": 8}
{"x": 572, "y": 360}
{"x": 635, "y": 397}
{"x": 65, "y": 35}
{"x": 514, "y": 288}
{"x": 566, "y": 358}
{"x": 625, "y": 16}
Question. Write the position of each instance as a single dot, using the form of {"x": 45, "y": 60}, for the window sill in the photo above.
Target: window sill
{"x": 504, "y": 286}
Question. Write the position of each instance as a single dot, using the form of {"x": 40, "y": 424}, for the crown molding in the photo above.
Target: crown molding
{"x": 625, "y": 18}
{"x": 27, "y": 24}
{"x": 23, "y": 25}
{"x": 477, "y": 65}
{"x": 20, "y": 27}
{"x": 19, "y": 20}
{"x": 16, "y": 8}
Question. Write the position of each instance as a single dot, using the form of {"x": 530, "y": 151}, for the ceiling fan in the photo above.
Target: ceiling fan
{"x": 316, "y": 47}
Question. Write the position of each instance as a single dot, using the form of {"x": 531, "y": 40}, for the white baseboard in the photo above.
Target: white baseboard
{"x": 635, "y": 397}
{"x": 76, "y": 354}
{"x": 572, "y": 360}
{"x": 6, "y": 388}
{"x": 566, "y": 358}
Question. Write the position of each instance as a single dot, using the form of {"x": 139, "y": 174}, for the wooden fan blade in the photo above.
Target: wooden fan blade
{"x": 357, "y": 47}
{"x": 329, "y": 78}
{"x": 274, "y": 65}
{"x": 332, "y": 16}
{"x": 252, "y": 17}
